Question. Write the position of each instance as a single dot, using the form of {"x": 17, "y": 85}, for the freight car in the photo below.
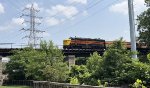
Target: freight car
{"x": 83, "y": 43}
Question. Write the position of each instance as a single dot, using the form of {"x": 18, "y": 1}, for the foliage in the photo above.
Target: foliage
{"x": 116, "y": 67}
{"x": 58, "y": 72}
{"x": 3, "y": 67}
{"x": 136, "y": 70}
{"x": 80, "y": 72}
{"x": 148, "y": 57}
{"x": 115, "y": 59}
{"x": 74, "y": 80}
{"x": 144, "y": 27}
{"x": 81, "y": 61}
{"x": 38, "y": 64}
{"x": 94, "y": 62}
{"x": 147, "y": 2}
{"x": 143, "y": 58}
{"x": 105, "y": 84}
{"x": 138, "y": 84}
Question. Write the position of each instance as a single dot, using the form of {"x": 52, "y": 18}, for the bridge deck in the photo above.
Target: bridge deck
{"x": 77, "y": 52}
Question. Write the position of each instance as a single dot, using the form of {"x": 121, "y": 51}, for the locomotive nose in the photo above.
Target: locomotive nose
{"x": 67, "y": 42}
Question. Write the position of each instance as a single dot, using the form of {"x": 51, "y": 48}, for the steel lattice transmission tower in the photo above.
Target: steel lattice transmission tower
{"x": 32, "y": 42}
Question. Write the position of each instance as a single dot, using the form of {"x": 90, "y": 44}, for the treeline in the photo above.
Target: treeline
{"x": 114, "y": 68}
{"x": 45, "y": 63}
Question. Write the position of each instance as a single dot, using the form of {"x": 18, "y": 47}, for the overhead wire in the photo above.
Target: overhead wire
{"x": 14, "y": 5}
{"x": 94, "y": 4}
{"x": 72, "y": 4}
{"x": 88, "y": 17}
{"x": 18, "y": 10}
{"x": 79, "y": 13}
{"x": 17, "y": 36}
{"x": 87, "y": 8}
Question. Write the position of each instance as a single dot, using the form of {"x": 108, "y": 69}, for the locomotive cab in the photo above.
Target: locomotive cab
{"x": 66, "y": 43}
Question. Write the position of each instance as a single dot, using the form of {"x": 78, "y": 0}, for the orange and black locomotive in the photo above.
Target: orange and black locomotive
{"x": 89, "y": 43}
{"x": 83, "y": 43}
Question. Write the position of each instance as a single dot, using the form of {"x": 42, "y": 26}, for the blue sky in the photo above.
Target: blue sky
{"x": 106, "y": 19}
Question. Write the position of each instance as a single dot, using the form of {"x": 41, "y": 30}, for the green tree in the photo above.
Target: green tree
{"x": 81, "y": 60}
{"x": 115, "y": 59}
{"x": 94, "y": 62}
{"x": 148, "y": 57}
{"x": 115, "y": 68}
{"x": 80, "y": 72}
{"x": 147, "y": 2}
{"x": 143, "y": 21}
{"x": 85, "y": 73}
{"x": 37, "y": 64}
{"x": 119, "y": 68}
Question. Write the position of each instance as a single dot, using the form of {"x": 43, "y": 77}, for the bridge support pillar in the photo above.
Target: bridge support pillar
{"x": 71, "y": 60}
{"x": 1, "y": 77}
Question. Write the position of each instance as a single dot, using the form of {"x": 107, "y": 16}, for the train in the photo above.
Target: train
{"x": 83, "y": 43}
{"x": 89, "y": 43}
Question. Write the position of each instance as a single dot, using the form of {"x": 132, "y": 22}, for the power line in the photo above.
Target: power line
{"x": 14, "y": 5}
{"x": 87, "y": 8}
{"x": 94, "y": 4}
{"x": 88, "y": 17}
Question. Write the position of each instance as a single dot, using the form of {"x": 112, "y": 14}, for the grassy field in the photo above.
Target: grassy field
{"x": 14, "y": 87}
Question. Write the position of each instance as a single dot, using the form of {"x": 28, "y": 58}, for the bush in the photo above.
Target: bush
{"x": 43, "y": 64}
{"x": 116, "y": 67}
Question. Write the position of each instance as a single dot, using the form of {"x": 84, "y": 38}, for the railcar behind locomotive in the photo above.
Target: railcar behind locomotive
{"x": 83, "y": 43}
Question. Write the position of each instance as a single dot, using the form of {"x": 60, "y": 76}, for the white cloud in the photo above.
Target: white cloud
{"x": 139, "y": 6}
{"x": 84, "y": 13}
{"x": 15, "y": 22}
{"x": 67, "y": 11}
{"x": 78, "y": 1}
{"x": 46, "y": 34}
{"x": 35, "y": 5}
{"x": 52, "y": 21}
{"x": 122, "y": 7}
{"x": 5, "y": 27}
{"x": 1, "y": 8}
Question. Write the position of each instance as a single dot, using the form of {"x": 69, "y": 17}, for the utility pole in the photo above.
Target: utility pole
{"x": 32, "y": 42}
{"x": 132, "y": 27}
